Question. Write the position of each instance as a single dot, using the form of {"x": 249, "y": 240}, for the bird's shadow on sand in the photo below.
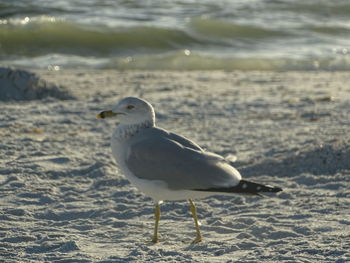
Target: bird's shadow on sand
{"x": 322, "y": 160}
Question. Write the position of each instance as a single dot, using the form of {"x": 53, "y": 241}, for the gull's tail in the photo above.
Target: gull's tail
{"x": 245, "y": 187}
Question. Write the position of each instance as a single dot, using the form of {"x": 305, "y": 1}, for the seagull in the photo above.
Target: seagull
{"x": 166, "y": 166}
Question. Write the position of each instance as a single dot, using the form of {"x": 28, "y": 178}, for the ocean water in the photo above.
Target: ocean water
{"x": 181, "y": 35}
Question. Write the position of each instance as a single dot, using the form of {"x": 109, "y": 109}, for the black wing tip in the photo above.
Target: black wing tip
{"x": 274, "y": 189}
{"x": 252, "y": 187}
{"x": 245, "y": 187}
{"x": 277, "y": 189}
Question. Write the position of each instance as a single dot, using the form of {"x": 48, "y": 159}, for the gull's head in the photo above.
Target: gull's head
{"x": 130, "y": 111}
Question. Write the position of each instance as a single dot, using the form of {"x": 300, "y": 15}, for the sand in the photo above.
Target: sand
{"x": 63, "y": 200}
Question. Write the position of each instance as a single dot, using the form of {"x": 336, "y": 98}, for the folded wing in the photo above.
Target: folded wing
{"x": 155, "y": 154}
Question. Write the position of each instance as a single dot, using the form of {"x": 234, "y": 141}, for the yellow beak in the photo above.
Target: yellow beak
{"x": 106, "y": 114}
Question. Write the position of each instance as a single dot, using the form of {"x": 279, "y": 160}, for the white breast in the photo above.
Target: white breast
{"x": 120, "y": 151}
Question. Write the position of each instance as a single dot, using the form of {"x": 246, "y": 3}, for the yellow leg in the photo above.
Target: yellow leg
{"x": 195, "y": 218}
{"x": 156, "y": 225}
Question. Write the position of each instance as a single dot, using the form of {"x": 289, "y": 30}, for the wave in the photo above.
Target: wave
{"x": 185, "y": 61}
{"x": 225, "y": 29}
{"x": 42, "y": 35}
{"x": 180, "y": 60}
{"x": 330, "y": 30}
{"x": 319, "y": 8}
{"x": 202, "y": 44}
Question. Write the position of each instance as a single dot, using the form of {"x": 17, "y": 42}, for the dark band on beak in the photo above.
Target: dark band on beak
{"x": 105, "y": 114}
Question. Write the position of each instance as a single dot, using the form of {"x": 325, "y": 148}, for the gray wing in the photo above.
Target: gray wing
{"x": 184, "y": 141}
{"x": 155, "y": 131}
{"x": 156, "y": 155}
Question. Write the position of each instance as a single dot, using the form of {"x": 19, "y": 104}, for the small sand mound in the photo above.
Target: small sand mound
{"x": 17, "y": 84}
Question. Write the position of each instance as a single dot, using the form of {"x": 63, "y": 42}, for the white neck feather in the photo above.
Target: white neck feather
{"x": 125, "y": 131}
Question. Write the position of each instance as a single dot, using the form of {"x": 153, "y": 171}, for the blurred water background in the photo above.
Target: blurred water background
{"x": 182, "y": 35}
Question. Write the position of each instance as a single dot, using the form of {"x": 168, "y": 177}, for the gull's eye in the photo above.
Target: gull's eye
{"x": 130, "y": 107}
